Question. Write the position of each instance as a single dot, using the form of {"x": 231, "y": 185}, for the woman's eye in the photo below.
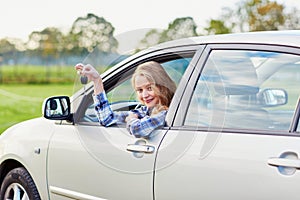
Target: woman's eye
{"x": 149, "y": 88}
{"x": 139, "y": 90}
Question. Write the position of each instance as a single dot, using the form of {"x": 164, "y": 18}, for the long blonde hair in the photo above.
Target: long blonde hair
{"x": 163, "y": 86}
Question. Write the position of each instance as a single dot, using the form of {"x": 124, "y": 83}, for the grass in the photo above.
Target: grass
{"x": 27, "y": 74}
{"x": 19, "y": 102}
{"x": 23, "y": 89}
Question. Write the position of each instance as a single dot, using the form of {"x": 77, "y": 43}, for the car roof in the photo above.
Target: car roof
{"x": 286, "y": 38}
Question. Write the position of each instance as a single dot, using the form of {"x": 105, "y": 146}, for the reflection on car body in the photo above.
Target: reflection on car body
{"x": 233, "y": 121}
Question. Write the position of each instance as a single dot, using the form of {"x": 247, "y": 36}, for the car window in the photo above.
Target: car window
{"x": 246, "y": 90}
{"x": 125, "y": 92}
{"x": 123, "y": 97}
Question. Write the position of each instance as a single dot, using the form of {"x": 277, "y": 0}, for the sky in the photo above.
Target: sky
{"x": 18, "y": 18}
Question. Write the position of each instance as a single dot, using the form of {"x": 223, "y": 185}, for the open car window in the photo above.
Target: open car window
{"x": 123, "y": 97}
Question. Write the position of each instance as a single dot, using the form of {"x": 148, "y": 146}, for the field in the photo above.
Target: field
{"x": 20, "y": 102}
{"x": 27, "y": 74}
{"x": 24, "y": 88}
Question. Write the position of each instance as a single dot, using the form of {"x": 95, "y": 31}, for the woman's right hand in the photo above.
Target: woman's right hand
{"x": 92, "y": 74}
{"x": 88, "y": 71}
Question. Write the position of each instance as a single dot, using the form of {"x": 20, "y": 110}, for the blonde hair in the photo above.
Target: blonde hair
{"x": 163, "y": 86}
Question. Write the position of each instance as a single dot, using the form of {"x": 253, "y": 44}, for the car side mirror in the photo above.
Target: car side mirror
{"x": 271, "y": 97}
{"x": 57, "y": 108}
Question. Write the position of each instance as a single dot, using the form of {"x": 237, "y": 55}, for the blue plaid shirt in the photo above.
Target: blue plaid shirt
{"x": 141, "y": 127}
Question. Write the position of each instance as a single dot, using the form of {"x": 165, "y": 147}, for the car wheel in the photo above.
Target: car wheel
{"x": 18, "y": 185}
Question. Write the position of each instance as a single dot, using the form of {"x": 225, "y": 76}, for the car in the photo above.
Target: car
{"x": 231, "y": 131}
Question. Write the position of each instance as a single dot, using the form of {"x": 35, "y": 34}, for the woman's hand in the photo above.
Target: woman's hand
{"x": 131, "y": 116}
{"x": 88, "y": 71}
{"x": 91, "y": 73}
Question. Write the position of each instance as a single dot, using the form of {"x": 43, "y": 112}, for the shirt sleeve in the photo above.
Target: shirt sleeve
{"x": 145, "y": 126}
{"x": 104, "y": 112}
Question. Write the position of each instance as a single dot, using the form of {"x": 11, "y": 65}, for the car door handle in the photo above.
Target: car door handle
{"x": 142, "y": 148}
{"x": 284, "y": 162}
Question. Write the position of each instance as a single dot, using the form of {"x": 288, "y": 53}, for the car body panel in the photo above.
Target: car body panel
{"x": 102, "y": 153}
{"x": 218, "y": 165}
{"x": 16, "y": 143}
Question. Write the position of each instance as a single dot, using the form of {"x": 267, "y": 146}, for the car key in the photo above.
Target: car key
{"x": 83, "y": 80}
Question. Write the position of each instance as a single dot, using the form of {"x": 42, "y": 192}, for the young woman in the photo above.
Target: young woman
{"x": 154, "y": 89}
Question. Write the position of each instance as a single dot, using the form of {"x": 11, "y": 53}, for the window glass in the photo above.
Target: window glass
{"x": 246, "y": 90}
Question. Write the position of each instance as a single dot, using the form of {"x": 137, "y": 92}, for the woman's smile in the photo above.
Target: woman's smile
{"x": 145, "y": 92}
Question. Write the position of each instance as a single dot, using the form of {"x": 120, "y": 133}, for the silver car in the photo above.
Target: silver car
{"x": 231, "y": 131}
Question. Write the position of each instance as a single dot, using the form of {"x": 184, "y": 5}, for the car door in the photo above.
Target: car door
{"x": 235, "y": 134}
{"x": 88, "y": 161}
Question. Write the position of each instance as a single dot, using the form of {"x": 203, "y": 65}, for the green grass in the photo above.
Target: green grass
{"x": 19, "y": 102}
{"x": 27, "y": 74}
{"x": 30, "y": 74}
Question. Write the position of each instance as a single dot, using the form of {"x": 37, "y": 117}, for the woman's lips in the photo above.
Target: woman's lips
{"x": 148, "y": 100}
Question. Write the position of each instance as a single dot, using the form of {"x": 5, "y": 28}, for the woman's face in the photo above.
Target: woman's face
{"x": 145, "y": 91}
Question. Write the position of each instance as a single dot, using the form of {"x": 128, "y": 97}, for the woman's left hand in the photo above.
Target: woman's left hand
{"x": 131, "y": 116}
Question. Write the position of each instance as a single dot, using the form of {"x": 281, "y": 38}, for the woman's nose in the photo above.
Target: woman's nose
{"x": 145, "y": 93}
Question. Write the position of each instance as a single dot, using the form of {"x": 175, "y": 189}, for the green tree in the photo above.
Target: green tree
{"x": 11, "y": 49}
{"x": 254, "y": 15}
{"x": 92, "y": 32}
{"x": 47, "y": 43}
{"x": 151, "y": 38}
{"x": 217, "y": 27}
{"x": 264, "y": 15}
{"x": 179, "y": 28}
{"x": 6, "y": 46}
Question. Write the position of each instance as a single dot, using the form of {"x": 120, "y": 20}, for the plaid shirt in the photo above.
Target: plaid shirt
{"x": 141, "y": 127}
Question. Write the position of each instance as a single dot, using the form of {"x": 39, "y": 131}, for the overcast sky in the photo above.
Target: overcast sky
{"x": 18, "y": 18}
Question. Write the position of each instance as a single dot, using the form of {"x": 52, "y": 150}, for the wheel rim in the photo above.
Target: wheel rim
{"x": 15, "y": 192}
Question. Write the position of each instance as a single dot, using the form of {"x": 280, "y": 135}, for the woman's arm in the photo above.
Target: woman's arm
{"x": 92, "y": 74}
{"x": 104, "y": 112}
{"x": 145, "y": 126}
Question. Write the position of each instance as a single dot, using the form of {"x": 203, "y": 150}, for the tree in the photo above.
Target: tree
{"x": 264, "y": 15}
{"x": 258, "y": 15}
{"x": 217, "y": 27}
{"x": 254, "y": 15}
{"x": 92, "y": 32}
{"x": 179, "y": 28}
{"x": 6, "y": 46}
{"x": 292, "y": 19}
{"x": 151, "y": 38}
{"x": 47, "y": 43}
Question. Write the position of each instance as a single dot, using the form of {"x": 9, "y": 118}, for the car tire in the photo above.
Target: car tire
{"x": 18, "y": 184}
